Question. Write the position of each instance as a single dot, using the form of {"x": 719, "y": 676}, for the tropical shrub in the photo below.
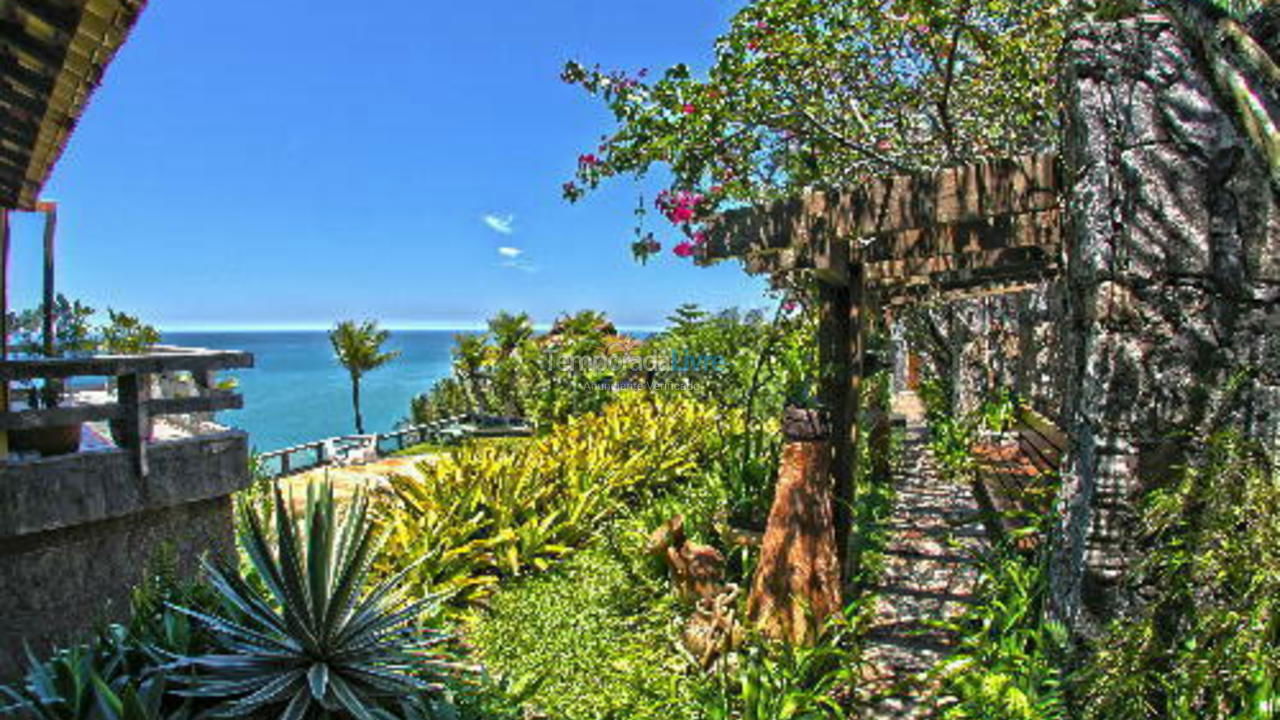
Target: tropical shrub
{"x": 777, "y": 681}
{"x": 1206, "y": 644}
{"x": 120, "y": 672}
{"x": 483, "y": 511}
{"x": 1009, "y": 661}
{"x": 95, "y": 681}
{"x": 511, "y": 370}
{"x": 306, "y": 638}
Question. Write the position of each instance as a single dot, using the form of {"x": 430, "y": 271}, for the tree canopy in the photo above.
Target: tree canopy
{"x": 824, "y": 92}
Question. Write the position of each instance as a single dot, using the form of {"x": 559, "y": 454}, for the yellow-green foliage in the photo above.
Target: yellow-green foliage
{"x": 484, "y": 512}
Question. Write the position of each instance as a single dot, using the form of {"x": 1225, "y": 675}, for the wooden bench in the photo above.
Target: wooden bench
{"x": 1017, "y": 478}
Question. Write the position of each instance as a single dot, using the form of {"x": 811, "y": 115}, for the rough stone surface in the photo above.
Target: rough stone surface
{"x": 67, "y": 490}
{"x": 1009, "y": 341}
{"x": 1171, "y": 289}
{"x": 77, "y": 532}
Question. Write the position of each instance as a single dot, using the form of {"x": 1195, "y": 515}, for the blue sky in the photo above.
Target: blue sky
{"x": 289, "y": 163}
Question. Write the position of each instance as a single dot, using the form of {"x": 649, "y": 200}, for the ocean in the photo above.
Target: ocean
{"x": 297, "y": 392}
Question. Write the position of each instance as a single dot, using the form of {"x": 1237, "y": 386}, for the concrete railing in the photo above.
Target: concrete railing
{"x": 131, "y": 415}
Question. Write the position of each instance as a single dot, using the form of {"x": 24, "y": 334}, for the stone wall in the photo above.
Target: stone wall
{"x": 78, "y": 531}
{"x": 1012, "y": 341}
{"x": 1172, "y": 286}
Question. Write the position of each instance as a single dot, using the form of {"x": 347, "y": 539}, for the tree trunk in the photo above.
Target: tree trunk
{"x": 355, "y": 403}
{"x": 796, "y": 586}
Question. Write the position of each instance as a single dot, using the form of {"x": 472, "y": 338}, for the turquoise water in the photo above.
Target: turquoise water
{"x": 298, "y": 393}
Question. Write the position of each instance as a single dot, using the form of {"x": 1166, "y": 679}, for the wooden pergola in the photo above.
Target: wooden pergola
{"x": 963, "y": 232}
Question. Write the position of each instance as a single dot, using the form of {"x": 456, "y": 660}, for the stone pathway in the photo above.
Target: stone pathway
{"x": 929, "y": 575}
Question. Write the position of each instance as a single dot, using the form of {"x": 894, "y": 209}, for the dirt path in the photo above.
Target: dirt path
{"x": 929, "y": 574}
{"x": 348, "y": 478}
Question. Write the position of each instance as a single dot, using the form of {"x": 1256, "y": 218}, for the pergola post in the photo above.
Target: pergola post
{"x": 841, "y": 328}
{"x": 4, "y": 321}
{"x": 50, "y": 211}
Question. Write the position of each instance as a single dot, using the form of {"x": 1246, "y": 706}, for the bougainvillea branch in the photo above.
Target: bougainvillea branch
{"x": 825, "y": 92}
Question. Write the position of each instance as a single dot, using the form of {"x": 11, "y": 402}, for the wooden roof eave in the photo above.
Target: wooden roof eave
{"x": 100, "y": 29}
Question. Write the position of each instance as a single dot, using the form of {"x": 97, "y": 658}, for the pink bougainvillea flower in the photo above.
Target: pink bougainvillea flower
{"x": 688, "y": 109}
{"x": 684, "y": 249}
{"x": 789, "y": 306}
{"x": 588, "y": 160}
{"x": 699, "y": 238}
{"x": 753, "y": 45}
{"x": 681, "y": 214}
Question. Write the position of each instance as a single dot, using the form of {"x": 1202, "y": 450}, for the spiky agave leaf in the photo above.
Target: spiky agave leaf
{"x": 315, "y": 641}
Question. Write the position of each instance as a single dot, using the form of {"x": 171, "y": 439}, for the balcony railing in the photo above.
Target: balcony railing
{"x": 132, "y": 412}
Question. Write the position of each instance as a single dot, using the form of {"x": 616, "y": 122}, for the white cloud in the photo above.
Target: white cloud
{"x": 500, "y": 224}
{"x": 521, "y": 265}
{"x": 510, "y": 252}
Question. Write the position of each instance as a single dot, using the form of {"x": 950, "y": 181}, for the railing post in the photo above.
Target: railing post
{"x": 132, "y": 394}
{"x": 286, "y": 462}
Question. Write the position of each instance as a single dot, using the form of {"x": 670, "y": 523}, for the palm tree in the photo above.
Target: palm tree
{"x": 510, "y": 331}
{"x": 358, "y": 348}
{"x": 470, "y": 355}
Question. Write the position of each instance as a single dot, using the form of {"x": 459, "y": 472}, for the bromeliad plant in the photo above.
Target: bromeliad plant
{"x": 481, "y": 513}
{"x": 305, "y": 638}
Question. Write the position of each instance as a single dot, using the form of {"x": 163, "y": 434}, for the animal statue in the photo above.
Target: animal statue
{"x": 713, "y": 631}
{"x": 696, "y": 571}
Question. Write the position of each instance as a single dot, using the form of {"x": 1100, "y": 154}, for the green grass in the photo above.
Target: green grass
{"x": 601, "y": 645}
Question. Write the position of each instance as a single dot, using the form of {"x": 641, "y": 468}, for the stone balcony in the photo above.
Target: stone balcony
{"x": 77, "y": 530}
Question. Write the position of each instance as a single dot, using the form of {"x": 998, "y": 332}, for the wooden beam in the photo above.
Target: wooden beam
{"x": 834, "y": 314}
{"x": 918, "y": 270}
{"x": 1042, "y": 228}
{"x": 914, "y": 294}
{"x": 215, "y": 401}
{"x": 5, "y": 240}
{"x": 889, "y": 205}
{"x": 854, "y": 346}
{"x": 969, "y": 285}
{"x": 48, "y": 417}
{"x": 4, "y": 320}
{"x": 52, "y": 417}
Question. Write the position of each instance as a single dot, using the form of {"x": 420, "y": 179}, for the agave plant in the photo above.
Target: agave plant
{"x": 306, "y": 639}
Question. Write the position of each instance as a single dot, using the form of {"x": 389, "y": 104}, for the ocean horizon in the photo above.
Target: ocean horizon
{"x": 297, "y": 392}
